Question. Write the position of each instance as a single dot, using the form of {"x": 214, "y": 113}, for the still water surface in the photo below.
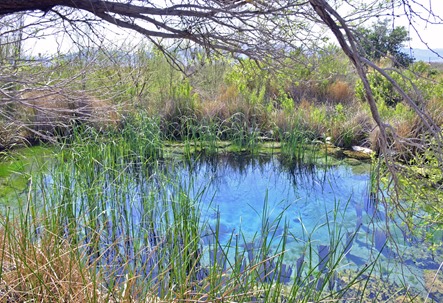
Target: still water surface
{"x": 323, "y": 211}
{"x": 321, "y": 205}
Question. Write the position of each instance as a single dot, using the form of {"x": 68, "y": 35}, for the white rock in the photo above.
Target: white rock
{"x": 363, "y": 150}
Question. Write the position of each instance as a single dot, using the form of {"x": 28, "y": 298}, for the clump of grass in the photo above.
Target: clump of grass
{"x": 340, "y": 92}
{"x": 352, "y": 128}
{"x": 48, "y": 270}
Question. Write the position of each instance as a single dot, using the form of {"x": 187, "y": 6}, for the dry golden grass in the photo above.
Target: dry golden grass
{"x": 214, "y": 109}
{"x": 314, "y": 117}
{"x": 48, "y": 110}
{"x": 228, "y": 93}
{"x": 411, "y": 130}
{"x": 434, "y": 283}
{"x": 44, "y": 271}
{"x": 12, "y": 133}
{"x": 51, "y": 269}
{"x": 435, "y": 109}
{"x": 280, "y": 119}
{"x": 340, "y": 92}
{"x": 403, "y": 137}
{"x": 230, "y": 107}
{"x": 305, "y": 105}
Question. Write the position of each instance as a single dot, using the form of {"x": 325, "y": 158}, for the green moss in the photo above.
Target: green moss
{"x": 15, "y": 169}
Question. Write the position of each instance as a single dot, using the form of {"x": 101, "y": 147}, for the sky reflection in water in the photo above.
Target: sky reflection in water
{"x": 316, "y": 200}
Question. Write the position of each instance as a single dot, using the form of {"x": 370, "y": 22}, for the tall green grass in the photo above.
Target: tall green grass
{"x": 109, "y": 221}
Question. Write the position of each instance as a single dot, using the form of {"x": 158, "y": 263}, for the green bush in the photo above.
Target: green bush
{"x": 418, "y": 82}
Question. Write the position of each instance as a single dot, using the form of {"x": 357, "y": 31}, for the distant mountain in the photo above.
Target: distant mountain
{"x": 425, "y": 54}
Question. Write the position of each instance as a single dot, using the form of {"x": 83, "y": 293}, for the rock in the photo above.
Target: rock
{"x": 352, "y": 161}
{"x": 357, "y": 155}
{"x": 271, "y": 145}
{"x": 265, "y": 138}
{"x": 333, "y": 150}
{"x": 364, "y": 150}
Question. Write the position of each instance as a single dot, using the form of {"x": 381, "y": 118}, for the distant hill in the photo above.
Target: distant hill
{"x": 425, "y": 54}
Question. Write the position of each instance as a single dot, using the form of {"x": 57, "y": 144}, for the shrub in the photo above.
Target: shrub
{"x": 340, "y": 92}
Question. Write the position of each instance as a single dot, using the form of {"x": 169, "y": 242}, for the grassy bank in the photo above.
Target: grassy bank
{"x": 235, "y": 101}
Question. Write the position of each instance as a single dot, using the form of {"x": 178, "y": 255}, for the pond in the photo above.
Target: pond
{"x": 304, "y": 226}
{"x": 324, "y": 207}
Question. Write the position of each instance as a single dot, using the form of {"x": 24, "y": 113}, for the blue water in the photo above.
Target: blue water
{"x": 322, "y": 206}
{"x": 324, "y": 212}
{"x": 306, "y": 195}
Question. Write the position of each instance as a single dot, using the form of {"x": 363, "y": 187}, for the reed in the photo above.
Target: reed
{"x": 108, "y": 221}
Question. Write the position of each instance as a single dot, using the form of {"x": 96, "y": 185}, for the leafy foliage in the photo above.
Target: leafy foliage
{"x": 381, "y": 41}
{"x": 415, "y": 81}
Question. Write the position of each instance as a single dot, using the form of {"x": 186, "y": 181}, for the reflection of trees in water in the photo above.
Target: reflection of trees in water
{"x": 218, "y": 168}
{"x": 232, "y": 165}
{"x": 132, "y": 213}
{"x": 313, "y": 176}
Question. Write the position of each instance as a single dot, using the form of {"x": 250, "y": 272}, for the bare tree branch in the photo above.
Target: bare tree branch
{"x": 237, "y": 27}
{"x": 252, "y": 28}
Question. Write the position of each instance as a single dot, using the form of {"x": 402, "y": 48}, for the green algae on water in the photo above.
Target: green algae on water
{"x": 16, "y": 168}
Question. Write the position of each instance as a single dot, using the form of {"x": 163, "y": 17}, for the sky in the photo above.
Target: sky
{"x": 431, "y": 34}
